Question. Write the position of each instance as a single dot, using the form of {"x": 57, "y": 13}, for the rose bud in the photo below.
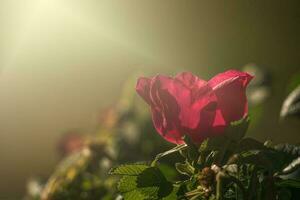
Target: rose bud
{"x": 187, "y": 105}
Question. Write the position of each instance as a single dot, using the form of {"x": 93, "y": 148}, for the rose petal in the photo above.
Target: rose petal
{"x": 189, "y": 80}
{"x": 163, "y": 115}
{"x": 172, "y": 86}
{"x": 229, "y": 76}
{"x": 230, "y": 89}
{"x": 143, "y": 88}
{"x": 168, "y": 98}
{"x": 201, "y": 112}
{"x": 205, "y": 122}
{"x": 171, "y": 134}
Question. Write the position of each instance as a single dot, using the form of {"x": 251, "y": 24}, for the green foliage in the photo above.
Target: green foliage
{"x": 127, "y": 183}
{"x": 142, "y": 182}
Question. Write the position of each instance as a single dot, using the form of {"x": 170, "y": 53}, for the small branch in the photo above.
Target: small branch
{"x": 219, "y": 189}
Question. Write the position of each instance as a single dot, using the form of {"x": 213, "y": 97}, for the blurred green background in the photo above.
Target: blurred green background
{"x": 62, "y": 61}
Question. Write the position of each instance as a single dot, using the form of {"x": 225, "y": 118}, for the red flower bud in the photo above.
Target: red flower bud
{"x": 189, "y": 105}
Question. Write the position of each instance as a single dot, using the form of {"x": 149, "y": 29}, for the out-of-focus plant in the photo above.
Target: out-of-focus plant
{"x": 34, "y": 188}
{"x": 71, "y": 141}
{"x": 124, "y": 134}
{"x": 208, "y": 122}
{"x": 80, "y": 176}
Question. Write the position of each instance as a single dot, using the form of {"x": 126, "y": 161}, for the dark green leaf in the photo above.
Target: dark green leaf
{"x": 173, "y": 195}
{"x": 169, "y": 171}
{"x": 153, "y": 183}
{"x": 142, "y": 182}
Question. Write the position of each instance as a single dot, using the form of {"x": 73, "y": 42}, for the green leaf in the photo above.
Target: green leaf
{"x": 127, "y": 184}
{"x": 173, "y": 195}
{"x": 169, "y": 171}
{"x": 142, "y": 182}
{"x": 153, "y": 183}
{"x": 133, "y": 195}
{"x": 185, "y": 168}
{"x": 129, "y": 169}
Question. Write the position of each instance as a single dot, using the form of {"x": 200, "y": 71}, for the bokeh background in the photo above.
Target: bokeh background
{"x": 63, "y": 61}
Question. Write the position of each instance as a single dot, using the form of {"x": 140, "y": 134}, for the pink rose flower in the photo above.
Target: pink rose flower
{"x": 187, "y": 105}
